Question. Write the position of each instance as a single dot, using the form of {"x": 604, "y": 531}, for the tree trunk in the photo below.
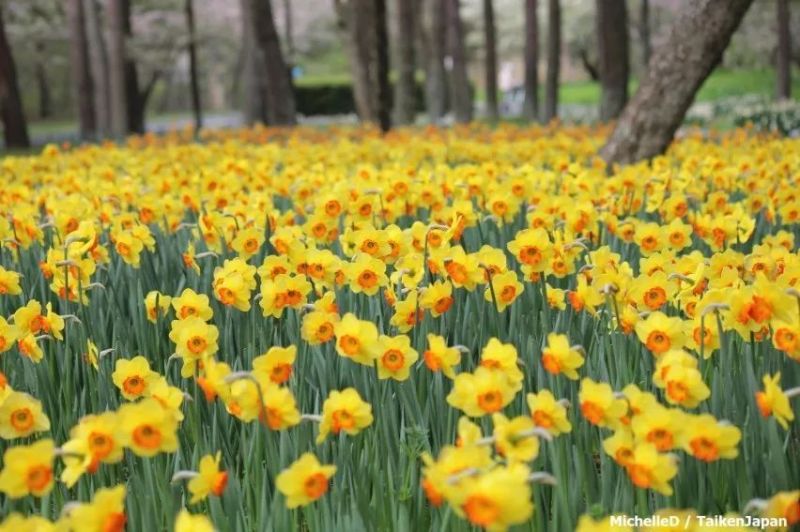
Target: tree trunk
{"x": 280, "y": 95}
{"x": 253, "y": 82}
{"x": 553, "y": 60}
{"x": 530, "y": 108}
{"x": 99, "y": 69}
{"x": 288, "y": 31}
{"x": 43, "y": 87}
{"x": 697, "y": 39}
{"x": 381, "y": 70}
{"x": 15, "y": 128}
{"x": 404, "y": 89}
{"x": 490, "y": 40}
{"x": 118, "y": 98}
{"x": 783, "y": 67}
{"x": 354, "y": 19}
{"x": 460, "y": 92}
{"x": 612, "y": 48}
{"x": 644, "y": 33}
{"x": 82, "y": 89}
{"x": 197, "y": 110}
{"x": 135, "y": 101}
{"x": 435, "y": 76}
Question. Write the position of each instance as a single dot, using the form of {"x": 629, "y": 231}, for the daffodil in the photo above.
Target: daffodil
{"x": 485, "y": 391}
{"x": 94, "y": 440}
{"x": 709, "y": 440}
{"x": 156, "y": 303}
{"x": 440, "y": 357}
{"x": 133, "y": 377}
{"x": 186, "y": 522}
{"x": 515, "y": 439}
{"x": 105, "y": 512}
{"x": 147, "y": 428}
{"x": 559, "y": 357}
{"x": 191, "y": 304}
{"x": 21, "y": 415}
{"x": 599, "y": 405}
{"x": 660, "y": 333}
{"x": 209, "y": 479}
{"x": 772, "y": 401}
{"x": 195, "y": 341}
{"x": 394, "y": 357}
{"x": 497, "y": 499}
{"x": 304, "y": 481}
{"x": 547, "y": 413}
{"x": 276, "y": 363}
{"x": 28, "y": 470}
{"x": 344, "y": 411}
{"x": 355, "y": 339}
{"x": 648, "y": 469}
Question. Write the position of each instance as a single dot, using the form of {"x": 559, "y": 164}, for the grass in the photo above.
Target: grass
{"x": 721, "y": 84}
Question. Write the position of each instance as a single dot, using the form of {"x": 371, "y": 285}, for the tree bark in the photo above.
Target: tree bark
{"x": 197, "y": 110}
{"x": 280, "y": 95}
{"x": 644, "y": 32}
{"x": 612, "y": 48}
{"x": 288, "y": 33}
{"x": 253, "y": 83}
{"x": 118, "y": 97}
{"x": 405, "y": 104}
{"x": 460, "y": 92}
{"x": 15, "y": 128}
{"x": 530, "y": 109}
{"x": 82, "y": 89}
{"x": 490, "y": 40}
{"x": 435, "y": 43}
{"x": 783, "y": 66}
{"x": 697, "y": 39}
{"x": 135, "y": 101}
{"x": 381, "y": 70}
{"x": 553, "y": 60}
{"x": 354, "y": 19}
{"x": 42, "y": 85}
{"x": 99, "y": 68}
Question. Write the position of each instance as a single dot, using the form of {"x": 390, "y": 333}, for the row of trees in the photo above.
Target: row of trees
{"x": 429, "y": 36}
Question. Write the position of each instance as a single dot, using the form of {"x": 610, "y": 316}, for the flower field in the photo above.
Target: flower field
{"x": 433, "y": 330}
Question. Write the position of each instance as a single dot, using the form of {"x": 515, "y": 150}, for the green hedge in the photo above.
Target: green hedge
{"x": 335, "y": 99}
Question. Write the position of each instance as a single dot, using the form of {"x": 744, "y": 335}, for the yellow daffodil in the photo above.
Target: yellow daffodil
{"x": 304, "y": 481}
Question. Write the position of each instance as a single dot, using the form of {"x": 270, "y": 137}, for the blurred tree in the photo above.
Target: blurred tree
{"x": 784, "y": 54}
{"x": 118, "y": 97}
{"x": 405, "y": 104}
{"x": 288, "y": 35}
{"x": 612, "y": 49}
{"x": 381, "y": 70}
{"x": 279, "y": 96}
{"x": 434, "y": 43}
{"x": 644, "y": 32}
{"x": 553, "y": 59}
{"x": 530, "y": 109}
{"x": 15, "y": 129}
{"x": 253, "y": 81}
{"x": 40, "y": 68}
{"x": 80, "y": 70}
{"x": 191, "y": 49}
{"x": 135, "y": 100}
{"x": 460, "y": 91}
{"x": 98, "y": 66}
{"x": 490, "y": 68}
{"x": 695, "y": 44}
{"x": 355, "y": 23}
